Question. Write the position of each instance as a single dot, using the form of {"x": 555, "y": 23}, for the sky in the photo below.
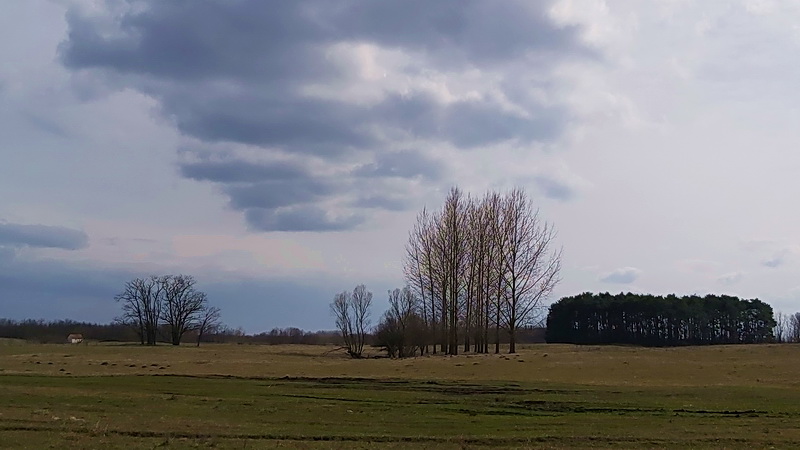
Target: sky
{"x": 280, "y": 151}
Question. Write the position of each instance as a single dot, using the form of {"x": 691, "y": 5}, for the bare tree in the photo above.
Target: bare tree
{"x": 481, "y": 261}
{"x": 420, "y": 275}
{"x": 352, "y": 312}
{"x": 530, "y": 264}
{"x": 453, "y": 255}
{"x": 401, "y": 331}
{"x": 183, "y": 305}
{"x": 780, "y": 329}
{"x": 142, "y": 301}
{"x": 362, "y": 303}
{"x": 498, "y": 239}
{"x": 341, "y": 309}
{"x": 133, "y": 315}
{"x": 207, "y": 322}
{"x": 793, "y": 328}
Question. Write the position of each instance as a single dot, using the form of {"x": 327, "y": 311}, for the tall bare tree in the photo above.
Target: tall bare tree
{"x": 183, "y": 305}
{"x": 793, "y": 328}
{"x": 142, "y": 300}
{"x": 780, "y": 329}
{"x": 498, "y": 239}
{"x": 352, "y": 311}
{"x": 530, "y": 264}
{"x": 207, "y": 322}
{"x": 481, "y": 262}
{"x": 453, "y": 245}
{"x": 420, "y": 273}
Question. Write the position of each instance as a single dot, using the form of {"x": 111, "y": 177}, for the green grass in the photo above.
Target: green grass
{"x": 295, "y": 396}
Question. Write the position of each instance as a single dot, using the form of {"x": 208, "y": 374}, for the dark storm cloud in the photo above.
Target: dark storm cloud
{"x": 64, "y": 279}
{"x": 235, "y": 171}
{"x": 7, "y": 254}
{"x": 57, "y": 290}
{"x": 268, "y": 119}
{"x": 17, "y": 235}
{"x": 277, "y": 193}
{"x": 199, "y": 40}
{"x": 277, "y": 40}
{"x": 239, "y": 71}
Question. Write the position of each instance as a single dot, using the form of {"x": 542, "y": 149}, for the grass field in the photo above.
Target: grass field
{"x": 247, "y": 396}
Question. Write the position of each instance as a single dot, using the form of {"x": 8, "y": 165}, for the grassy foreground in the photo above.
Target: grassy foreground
{"x": 551, "y": 396}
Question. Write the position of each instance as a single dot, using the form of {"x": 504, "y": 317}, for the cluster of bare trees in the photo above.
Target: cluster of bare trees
{"x": 352, "y": 312}
{"x": 166, "y": 303}
{"x": 401, "y": 331}
{"x": 787, "y": 327}
{"x": 476, "y": 267}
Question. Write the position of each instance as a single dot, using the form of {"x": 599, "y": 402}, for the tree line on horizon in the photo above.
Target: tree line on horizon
{"x": 651, "y": 320}
{"x": 56, "y": 332}
{"x": 474, "y": 269}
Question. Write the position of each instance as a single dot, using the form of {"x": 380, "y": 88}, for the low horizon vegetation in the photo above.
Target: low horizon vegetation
{"x": 478, "y": 272}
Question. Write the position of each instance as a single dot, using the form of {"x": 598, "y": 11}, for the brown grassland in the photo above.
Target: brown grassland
{"x": 256, "y": 396}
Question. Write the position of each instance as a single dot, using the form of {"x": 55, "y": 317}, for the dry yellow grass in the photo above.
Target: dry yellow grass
{"x": 552, "y": 396}
{"x": 741, "y": 365}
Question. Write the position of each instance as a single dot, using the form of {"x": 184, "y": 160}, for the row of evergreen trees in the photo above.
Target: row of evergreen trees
{"x": 659, "y": 321}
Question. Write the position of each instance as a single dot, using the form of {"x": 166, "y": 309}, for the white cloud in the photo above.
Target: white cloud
{"x": 624, "y": 275}
{"x": 730, "y": 278}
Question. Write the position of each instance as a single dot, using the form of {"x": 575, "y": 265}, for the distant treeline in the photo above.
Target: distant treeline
{"x": 659, "y": 321}
{"x": 292, "y": 335}
{"x": 56, "y": 332}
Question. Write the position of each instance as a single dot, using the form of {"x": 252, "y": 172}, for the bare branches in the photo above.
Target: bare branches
{"x": 352, "y": 312}
{"x": 481, "y": 264}
{"x": 529, "y": 266}
{"x": 183, "y": 305}
{"x": 171, "y": 300}
{"x": 208, "y": 322}
{"x": 401, "y": 330}
{"x": 141, "y": 307}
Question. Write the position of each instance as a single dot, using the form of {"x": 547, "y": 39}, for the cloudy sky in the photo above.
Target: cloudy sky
{"x": 279, "y": 151}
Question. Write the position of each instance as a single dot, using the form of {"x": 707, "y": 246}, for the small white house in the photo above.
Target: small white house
{"x": 75, "y": 338}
